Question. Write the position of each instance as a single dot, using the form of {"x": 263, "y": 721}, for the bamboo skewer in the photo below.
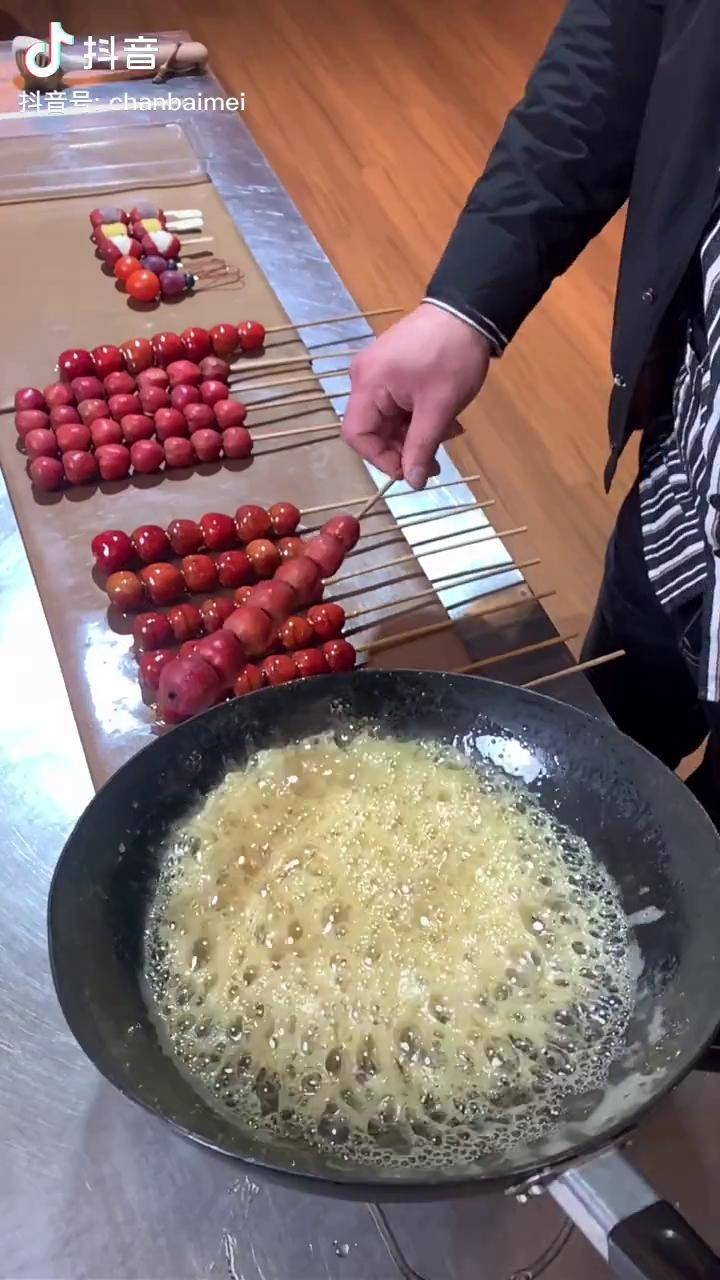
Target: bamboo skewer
{"x": 311, "y": 426}
{"x": 446, "y": 513}
{"x": 376, "y": 498}
{"x": 259, "y": 366}
{"x": 354, "y": 315}
{"x": 460, "y": 578}
{"x": 311, "y": 375}
{"x": 409, "y": 493}
{"x": 553, "y": 642}
{"x": 485, "y": 532}
{"x": 429, "y": 594}
{"x": 390, "y": 564}
{"x": 484, "y": 528}
{"x": 449, "y": 580}
{"x": 441, "y": 513}
{"x": 432, "y": 628}
{"x": 515, "y": 653}
{"x": 279, "y": 402}
{"x": 574, "y": 670}
{"x": 408, "y": 522}
{"x": 299, "y": 431}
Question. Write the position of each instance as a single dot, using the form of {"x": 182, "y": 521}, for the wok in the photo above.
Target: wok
{"x": 637, "y": 817}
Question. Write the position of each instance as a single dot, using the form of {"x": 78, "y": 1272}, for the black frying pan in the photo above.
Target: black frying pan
{"x": 636, "y": 816}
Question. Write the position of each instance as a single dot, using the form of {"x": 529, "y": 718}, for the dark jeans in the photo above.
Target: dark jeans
{"x": 651, "y": 693}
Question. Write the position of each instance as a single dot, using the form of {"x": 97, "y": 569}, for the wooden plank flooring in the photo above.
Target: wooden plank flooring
{"x": 378, "y": 115}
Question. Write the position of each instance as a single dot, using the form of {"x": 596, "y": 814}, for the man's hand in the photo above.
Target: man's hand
{"x": 409, "y": 387}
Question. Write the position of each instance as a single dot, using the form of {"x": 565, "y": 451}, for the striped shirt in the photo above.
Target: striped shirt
{"x": 680, "y": 481}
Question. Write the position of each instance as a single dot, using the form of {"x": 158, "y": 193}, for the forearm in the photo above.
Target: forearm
{"x": 560, "y": 169}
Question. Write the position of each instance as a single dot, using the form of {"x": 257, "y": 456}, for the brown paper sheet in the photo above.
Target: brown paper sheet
{"x": 58, "y": 297}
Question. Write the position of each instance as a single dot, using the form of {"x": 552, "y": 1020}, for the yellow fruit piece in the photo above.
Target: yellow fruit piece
{"x": 113, "y": 229}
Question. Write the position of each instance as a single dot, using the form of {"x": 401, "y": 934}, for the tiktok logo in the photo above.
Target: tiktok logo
{"x": 44, "y": 60}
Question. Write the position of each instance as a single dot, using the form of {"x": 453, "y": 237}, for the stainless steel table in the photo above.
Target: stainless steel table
{"x": 91, "y": 1186}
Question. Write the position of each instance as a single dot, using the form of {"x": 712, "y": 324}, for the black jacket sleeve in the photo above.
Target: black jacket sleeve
{"x": 561, "y": 167}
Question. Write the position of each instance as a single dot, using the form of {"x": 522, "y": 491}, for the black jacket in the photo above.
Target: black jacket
{"x": 625, "y": 102}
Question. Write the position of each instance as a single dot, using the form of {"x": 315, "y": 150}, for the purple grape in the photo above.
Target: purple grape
{"x": 172, "y": 284}
{"x": 153, "y": 262}
{"x": 144, "y": 209}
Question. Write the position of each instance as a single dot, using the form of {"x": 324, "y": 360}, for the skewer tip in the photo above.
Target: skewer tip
{"x": 378, "y": 496}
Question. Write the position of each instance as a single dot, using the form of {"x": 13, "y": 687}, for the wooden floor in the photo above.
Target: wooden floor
{"x": 378, "y": 115}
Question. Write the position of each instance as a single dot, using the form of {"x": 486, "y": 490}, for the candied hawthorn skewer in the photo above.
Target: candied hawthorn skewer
{"x": 179, "y": 425}
{"x": 213, "y": 532}
{"x": 184, "y": 689}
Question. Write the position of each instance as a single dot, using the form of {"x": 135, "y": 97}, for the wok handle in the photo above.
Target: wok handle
{"x": 658, "y": 1244}
{"x": 710, "y": 1060}
{"x": 640, "y": 1236}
